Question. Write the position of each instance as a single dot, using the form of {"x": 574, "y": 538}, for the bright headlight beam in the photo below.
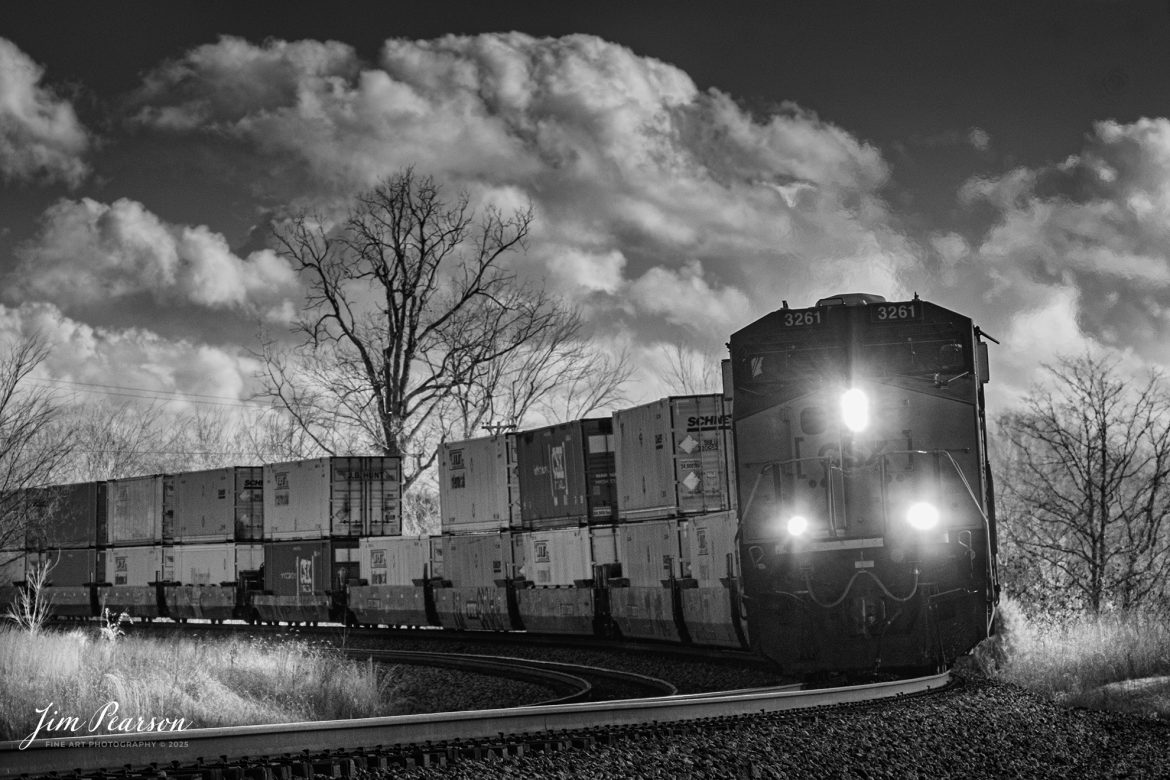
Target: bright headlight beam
{"x": 922, "y": 516}
{"x": 797, "y": 525}
{"x": 855, "y": 410}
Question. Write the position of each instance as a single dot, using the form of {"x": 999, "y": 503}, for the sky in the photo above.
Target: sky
{"x": 691, "y": 166}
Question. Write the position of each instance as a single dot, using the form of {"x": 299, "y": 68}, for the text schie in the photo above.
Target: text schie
{"x": 104, "y": 720}
{"x": 705, "y": 421}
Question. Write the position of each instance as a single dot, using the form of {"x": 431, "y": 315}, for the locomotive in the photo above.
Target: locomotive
{"x": 831, "y": 511}
{"x": 867, "y": 525}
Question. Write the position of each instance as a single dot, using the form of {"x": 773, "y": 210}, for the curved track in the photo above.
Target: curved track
{"x": 373, "y": 739}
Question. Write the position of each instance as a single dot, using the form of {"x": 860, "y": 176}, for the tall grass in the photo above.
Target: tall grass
{"x": 235, "y": 681}
{"x": 1085, "y": 660}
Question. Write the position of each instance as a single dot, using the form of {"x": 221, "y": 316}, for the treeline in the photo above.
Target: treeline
{"x": 1083, "y": 480}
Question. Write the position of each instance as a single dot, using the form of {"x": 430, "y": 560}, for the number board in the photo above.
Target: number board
{"x": 801, "y": 318}
{"x": 910, "y": 311}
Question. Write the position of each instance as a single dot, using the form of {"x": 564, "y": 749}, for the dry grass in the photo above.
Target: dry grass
{"x": 228, "y": 682}
{"x": 1084, "y": 660}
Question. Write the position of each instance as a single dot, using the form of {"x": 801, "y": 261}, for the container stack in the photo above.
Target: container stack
{"x": 316, "y": 513}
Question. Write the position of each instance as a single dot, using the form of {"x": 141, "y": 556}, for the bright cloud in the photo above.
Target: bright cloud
{"x": 1078, "y": 256}
{"x": 40, "y": 136}
{"x": 89, "y": 252}
{"x": 637, "y": 177}
{"x": 132, "y": 358}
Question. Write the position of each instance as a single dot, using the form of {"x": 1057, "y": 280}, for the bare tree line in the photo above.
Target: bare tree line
{"x": 1085, "y": 489}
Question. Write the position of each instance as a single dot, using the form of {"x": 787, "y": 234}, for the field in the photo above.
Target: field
{"x": 1113, "y": 661}
{"x": 231, "y": 682}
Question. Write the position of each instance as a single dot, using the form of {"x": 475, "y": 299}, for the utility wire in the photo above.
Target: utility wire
{"x": 157, "y": 395}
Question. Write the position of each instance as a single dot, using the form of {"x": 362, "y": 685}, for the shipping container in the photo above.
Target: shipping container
{"x": 333, "y": 497}
{"x": 650, "y": 552}
{"x": 140, "y": 510}
{"x": 390, "y": 560}
{"x": 140, "y": 565}
{"x": 709, "y": 550}
{"x": 205, "y": 564}
{"x": 66, "y": 515}
{"x": 556, "y": 557}
{"x": 478, "y": 484}
{"x": 476, "y": 560}
{"x": 70, "y": 567}
{"x": 220, "y": 505}
{"x": 671, "y": 457}
{"x": 566, "y": 474}
{"x": 299, "y": 568}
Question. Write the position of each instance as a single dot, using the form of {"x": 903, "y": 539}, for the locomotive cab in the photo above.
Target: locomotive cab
{"x": 866, "y": 524}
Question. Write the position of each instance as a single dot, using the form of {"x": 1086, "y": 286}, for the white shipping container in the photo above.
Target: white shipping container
{"x": 554, "y": 557}
{"x": 333, "y": 497}
{"x": 708, "y": 541}
{"x": 138, "y": 508}
{"x": 139, "y": 565}
{"x": 672, "y": 457}
{"x": 649, "y": 552}
{"x": 219, "y": 504}
{"x": 394, "y": 560}
{"x": 204, "y": 564}
{"x": 477, "y": 560}
{"x": 479, "y": 487}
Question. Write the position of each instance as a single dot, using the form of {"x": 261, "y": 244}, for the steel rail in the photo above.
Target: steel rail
{"x": 570, "y": 675}
{"x": 87, "y": 754}
{"x": 554, "y": 675}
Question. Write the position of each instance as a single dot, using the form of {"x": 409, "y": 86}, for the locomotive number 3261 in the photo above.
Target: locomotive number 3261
{"x": 900, "y": 311}
{"x": 797, "y": 319}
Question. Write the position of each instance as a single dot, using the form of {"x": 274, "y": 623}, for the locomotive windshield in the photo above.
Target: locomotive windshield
{"x": 786, "y": 362}
{"x": 920, "y": 349}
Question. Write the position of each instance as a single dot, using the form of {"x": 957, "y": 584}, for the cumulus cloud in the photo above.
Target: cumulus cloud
{"x": 639, "y": 179}
{"x": 41, "y": 138}
{"x": 88, "y": 252}
{"x": 1078, "y": 254}
{"x": 130, "y": 358}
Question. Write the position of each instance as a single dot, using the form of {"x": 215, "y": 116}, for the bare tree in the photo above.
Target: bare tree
{"x": 1087, "y": 485}
{"x": 558, "y": 373}
{"x": 33, "y": 444}
{"x": 690, "y": 372}
{"x": 121, "y": 440}
{"x": 409, "y": 314}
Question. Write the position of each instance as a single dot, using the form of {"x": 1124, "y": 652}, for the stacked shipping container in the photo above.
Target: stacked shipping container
{"x": 68, "y": 516}
{"x": 220, "y": 505}
{"x": 479, "y": 487}
{"x": 333, "y": 497}
{"x": 672, "y": 457}
{"x": 566, "y": 474}
{"x": 140, "y": 510}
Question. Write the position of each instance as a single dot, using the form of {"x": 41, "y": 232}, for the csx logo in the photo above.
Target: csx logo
{"x": 709, "y": 421}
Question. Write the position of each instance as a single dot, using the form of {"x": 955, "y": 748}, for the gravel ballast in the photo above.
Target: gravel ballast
{"x": 981, "y": 729}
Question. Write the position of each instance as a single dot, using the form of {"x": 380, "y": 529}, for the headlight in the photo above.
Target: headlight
{"x": 797, "y": 525}
{"x": 922, "y": 516}
{"x": 855, "y": 410}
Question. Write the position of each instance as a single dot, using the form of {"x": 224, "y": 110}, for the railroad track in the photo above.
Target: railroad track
{"x": 338, "y": 748}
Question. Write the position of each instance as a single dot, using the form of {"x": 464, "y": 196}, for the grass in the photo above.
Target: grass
{"x": 235, "y": 681}
{"x": 1085, "y": 660}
